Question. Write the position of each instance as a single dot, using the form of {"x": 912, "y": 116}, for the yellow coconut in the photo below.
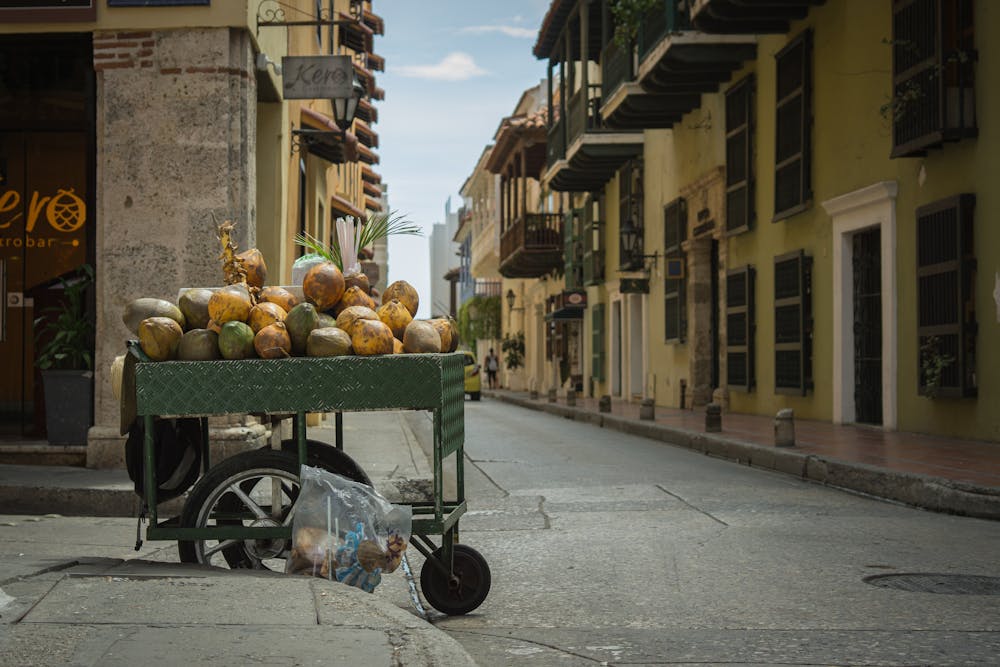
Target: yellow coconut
{"x": 353, "y": 296}
{"x": 323, "y": 285}
{"x": 350, "y": 315}
{"x": 265, "y": 314}
{"x": 406, "y": 294}
{"x": 396, "y": 316}
{"x": 280, "y": 296}
{"x": 273, "y": 342}
{"x": 371, "y": 337}
{"x": 230, "y": 304}
{"x": 159, "y": 338}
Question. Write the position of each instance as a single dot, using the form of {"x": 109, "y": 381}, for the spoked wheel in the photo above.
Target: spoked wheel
{"x": 464, "y": 590}
{"x": 252, "y": 489}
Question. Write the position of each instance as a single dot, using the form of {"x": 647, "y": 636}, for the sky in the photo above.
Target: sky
{"x": 454, "y": 69}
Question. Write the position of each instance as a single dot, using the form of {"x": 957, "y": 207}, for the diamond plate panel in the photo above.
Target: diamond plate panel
{"x": 421, "y": 381}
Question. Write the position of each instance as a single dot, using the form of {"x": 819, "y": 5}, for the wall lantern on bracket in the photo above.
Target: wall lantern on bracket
{"x": 511, "y": 297}
{"x": 632, "y": 246}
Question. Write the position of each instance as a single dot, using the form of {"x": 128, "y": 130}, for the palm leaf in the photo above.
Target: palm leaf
{"x": 376, "y": 227}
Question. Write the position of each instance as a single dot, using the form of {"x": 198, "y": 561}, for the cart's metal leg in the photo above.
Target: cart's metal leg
{"x": 438, "y": 467}
{"x": 300, "y": 437}
{"x": 206, "y": 457}
{"x": 149, "y": 456}
{"x": 338, "y": 420}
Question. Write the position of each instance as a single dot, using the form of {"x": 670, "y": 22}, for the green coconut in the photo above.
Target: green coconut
{"x": 140, "y": 309}
{"x": 198, "y": 345}
{"x": 236, "y": 341}
{"x": 300, "y": 321}
{"x": 328, "y": 342}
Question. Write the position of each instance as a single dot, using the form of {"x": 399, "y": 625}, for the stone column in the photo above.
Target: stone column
{"x": 176, "y": 141}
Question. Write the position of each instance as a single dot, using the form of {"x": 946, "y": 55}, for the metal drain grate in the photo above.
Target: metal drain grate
{"x": 947, "y": 584}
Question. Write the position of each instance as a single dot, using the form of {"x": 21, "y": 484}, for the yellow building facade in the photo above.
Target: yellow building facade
{"x": 792, "y": 204}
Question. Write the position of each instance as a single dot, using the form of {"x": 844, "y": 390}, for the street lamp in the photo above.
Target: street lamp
{"x": 632, "y": 246}
{"x": 344, "y": 108}
{"x": 510, "y": 301}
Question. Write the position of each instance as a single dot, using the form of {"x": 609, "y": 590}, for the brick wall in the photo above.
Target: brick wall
{"x": 120, "y": 50}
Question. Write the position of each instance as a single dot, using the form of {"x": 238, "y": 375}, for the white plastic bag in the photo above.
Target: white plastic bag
{"x": 346, "y": 531}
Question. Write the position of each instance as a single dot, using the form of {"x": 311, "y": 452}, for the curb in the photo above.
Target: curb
{"x": 923, "y": 491}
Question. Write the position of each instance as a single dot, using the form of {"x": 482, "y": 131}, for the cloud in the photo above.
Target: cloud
{"x": 456, "y": 66}
{"x": 509, "y": 30}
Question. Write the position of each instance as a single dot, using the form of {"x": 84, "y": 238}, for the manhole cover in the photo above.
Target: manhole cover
{"x": 948, "y": 584}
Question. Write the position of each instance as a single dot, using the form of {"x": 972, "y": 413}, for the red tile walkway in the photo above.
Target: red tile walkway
{"x": 974, "y": 462}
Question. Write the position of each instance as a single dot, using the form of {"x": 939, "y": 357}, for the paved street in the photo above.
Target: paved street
{"x": 608, "y": 548}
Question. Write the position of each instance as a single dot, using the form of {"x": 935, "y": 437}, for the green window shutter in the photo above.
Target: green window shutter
{"x": 675, "y": 289}
{"x": 593, "y": 246}
{"x": 740, "y": 328}
{"x": 739, "y": 157}
{"x": 572, "y": 255}
{"x": 793, "y": 125}
{"x": 946, "y": 315}
{"x": 792, "y": 323}
{"x": 597, "y": 342}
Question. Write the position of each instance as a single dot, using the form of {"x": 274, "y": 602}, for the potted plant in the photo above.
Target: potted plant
{"x": 513, "y": 349}
{"x": 64, "y": 335}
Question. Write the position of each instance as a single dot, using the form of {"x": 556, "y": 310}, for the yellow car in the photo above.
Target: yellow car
{"x": 473, "y": 378}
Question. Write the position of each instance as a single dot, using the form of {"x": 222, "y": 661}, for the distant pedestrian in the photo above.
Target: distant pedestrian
{"x": 492, "y": 366}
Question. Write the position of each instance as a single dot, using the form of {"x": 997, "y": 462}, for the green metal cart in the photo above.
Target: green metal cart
{"x": 238, "y": 514}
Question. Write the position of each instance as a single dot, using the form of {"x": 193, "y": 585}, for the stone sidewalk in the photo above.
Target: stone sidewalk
{"x": 72, "y": 591}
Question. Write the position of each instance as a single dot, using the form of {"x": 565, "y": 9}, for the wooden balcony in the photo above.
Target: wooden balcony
{"x": 532, "y": 246}
{"x": 748, "y": 16}
{"x": 583, "y": 153}
{"x": 676, "y": 65}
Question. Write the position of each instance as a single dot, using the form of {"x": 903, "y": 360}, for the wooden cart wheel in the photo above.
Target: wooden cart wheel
{"x": 462, "y": 592}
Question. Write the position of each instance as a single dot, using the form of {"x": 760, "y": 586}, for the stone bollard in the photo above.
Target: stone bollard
{"x": 713, "y": 418}
{"x": 552, "y": 395}
{"x": 571, "y": 398}
{"x": 604, "y": 405}
{"x": 534, "y": 394}
{"x": 646, "y": 408}
{"x": 784, "y": 428}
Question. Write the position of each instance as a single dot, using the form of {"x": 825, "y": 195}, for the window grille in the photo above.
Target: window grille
{"x": 946, "y": 315}
{"x": 793, "y": 131}
{"x": 740, "y": 328}
{"x": 739, "y": 157}
{"x": 933, "y": 58}
{"x": 675, "y": 289}
{"x": 792, "y": 323}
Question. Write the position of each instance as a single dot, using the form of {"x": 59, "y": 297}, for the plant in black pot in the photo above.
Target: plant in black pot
{"x": 64, "y": 337}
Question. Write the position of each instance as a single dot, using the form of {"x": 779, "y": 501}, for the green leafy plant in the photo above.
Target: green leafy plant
{"x": 370, "y": 230}
{"x": 65, "y": 333}
{"x": 513, "y": 349}
{"x": 628, "y": 15}
{"x": 932, "y": 365}
{"x": 479, "y": 319}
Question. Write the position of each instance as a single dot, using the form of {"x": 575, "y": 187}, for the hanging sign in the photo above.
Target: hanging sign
{"x": 317, "y": 77}
{"x": 634, "y": 286}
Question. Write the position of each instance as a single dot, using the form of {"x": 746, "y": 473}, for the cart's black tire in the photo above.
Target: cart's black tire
{"x": 329, "y": 458}
{"x": 467, "y": 593}
{"x": 241, "y": 470}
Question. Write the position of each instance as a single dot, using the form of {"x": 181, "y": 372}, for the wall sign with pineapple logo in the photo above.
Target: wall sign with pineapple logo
{"x": 64, "y": 212}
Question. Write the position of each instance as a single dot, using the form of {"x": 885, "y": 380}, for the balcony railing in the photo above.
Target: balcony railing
{"x": 534, "y": 231}
{"x": 489, "y": 288}
{"x": 556, "y": 146}
{"x": 658, "y": 22}
{"x": 584, "y": 111}
{"x": 616, "y": 68}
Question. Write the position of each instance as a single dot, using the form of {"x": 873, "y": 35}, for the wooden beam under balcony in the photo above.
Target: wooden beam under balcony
{"x": 592, "y": 160}
{"x": 749, "y": 16}
{"x": 531, "y": 246}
